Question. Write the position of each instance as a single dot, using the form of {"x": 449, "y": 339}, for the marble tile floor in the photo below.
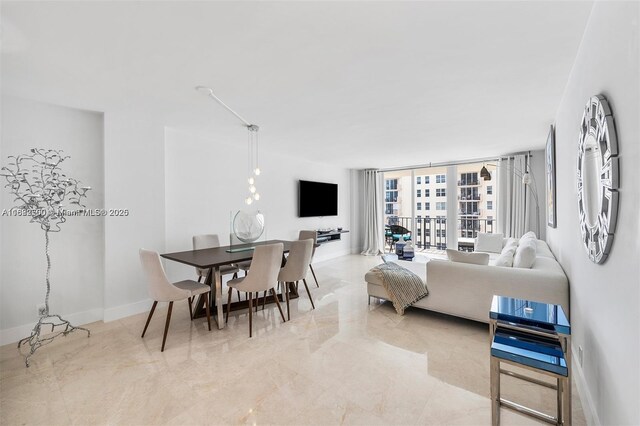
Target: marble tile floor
{"x": 346, "y": 362}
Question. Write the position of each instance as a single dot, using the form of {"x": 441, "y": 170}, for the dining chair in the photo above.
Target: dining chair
{"x": 211, "y": 241}
{"x": 161, "y": 290}
{"x": 265, "y": 267}
{"x": 304, "y": 235}
{"x": 399, "y": 233}
{"x": 296, "y": 268}
{"x": 244, "y": 265}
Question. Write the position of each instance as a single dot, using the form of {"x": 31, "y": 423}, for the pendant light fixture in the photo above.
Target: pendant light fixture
{"x": 253, "y": 170}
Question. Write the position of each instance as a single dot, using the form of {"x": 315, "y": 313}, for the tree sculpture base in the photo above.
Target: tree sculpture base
{"x": 36, "y": 340}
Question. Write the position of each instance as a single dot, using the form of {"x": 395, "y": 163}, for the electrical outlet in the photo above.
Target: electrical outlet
{"x": 41, "y": 309}
{"x": 580, "y": 355}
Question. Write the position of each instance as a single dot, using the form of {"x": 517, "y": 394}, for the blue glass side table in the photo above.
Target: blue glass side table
{"x": 535, "y": 336}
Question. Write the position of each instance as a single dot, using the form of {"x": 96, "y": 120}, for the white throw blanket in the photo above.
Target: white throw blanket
{"x": 403, "y": 286}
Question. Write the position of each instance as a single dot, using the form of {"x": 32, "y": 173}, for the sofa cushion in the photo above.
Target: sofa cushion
{"x": 418, "y": 268}
{"x": 466, "y": 257}
{"x": 528, "y": 235}
{"x": 491, "y": 243}
{"x": 510, "y": 243}
{"x": 525, "y": 255}
{"x": 506, "y": 257}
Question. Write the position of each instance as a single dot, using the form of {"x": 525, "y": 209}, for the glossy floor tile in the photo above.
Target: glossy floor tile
{"x": 346, "y": 362}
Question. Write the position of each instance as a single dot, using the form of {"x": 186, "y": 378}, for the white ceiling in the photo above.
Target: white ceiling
{"x": 357, "y": 84}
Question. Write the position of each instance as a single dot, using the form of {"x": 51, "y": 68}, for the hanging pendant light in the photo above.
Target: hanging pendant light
{"x": 252, "y": 163}
{"x": 252, "y": 147}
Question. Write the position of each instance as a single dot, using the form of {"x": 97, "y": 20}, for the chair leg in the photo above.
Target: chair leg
{"x": 286, "y": 292}
{"x": 264, "y": 299}
{"x": 235, "y": 275}
{"x": 226, "y": 318}
{"x": 314, "y": 275}
{"x": 239, "y": 299}
{"x": 308, "y": 292}
{"x": 250, "y": 313}
{"x": 275, "y": 296}
{"x": 206, "y": 305}
{"x": 189, "y": 300}
{"x": 166, "y": 326}
{"x": 153, "y": 308}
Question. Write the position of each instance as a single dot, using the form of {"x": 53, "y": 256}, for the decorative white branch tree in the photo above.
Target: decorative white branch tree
{"x": 41, "y": 191}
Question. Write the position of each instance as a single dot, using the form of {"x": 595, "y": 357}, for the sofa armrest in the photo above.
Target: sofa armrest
{"x": 481, "y": 282}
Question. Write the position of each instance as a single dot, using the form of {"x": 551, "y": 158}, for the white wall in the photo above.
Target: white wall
{"x": 206, "y": 179}
{"x": 605, "y": 299}
{"x": 134, "y": 180}
{"x": 77, "y": 252}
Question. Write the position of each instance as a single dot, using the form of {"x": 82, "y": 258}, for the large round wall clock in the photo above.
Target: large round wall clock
{"x": 597, "y": 178}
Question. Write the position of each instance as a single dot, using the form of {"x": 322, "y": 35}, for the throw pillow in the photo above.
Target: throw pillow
{"x": 527, "y": 236}
{"x": 511, "y": 243}
{"x": 489, "y": 242}
{"x": 468, "y": 257}
{"x": 525, "y": 254}
{"x": 506, "y": 257}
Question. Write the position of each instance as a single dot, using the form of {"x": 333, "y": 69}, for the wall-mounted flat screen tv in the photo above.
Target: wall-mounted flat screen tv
{"x": 317, "y": 199}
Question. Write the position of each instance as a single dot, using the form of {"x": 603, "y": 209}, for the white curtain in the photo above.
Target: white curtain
{"x": 373, "y": 218}
{"x": 512, "y": 207}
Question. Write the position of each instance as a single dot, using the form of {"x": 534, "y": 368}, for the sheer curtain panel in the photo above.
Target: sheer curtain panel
{"x": 512, "y": 213}
{"x": 373, "y": 219}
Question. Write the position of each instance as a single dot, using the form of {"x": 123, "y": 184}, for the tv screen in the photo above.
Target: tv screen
{"x": 317, "y": 199}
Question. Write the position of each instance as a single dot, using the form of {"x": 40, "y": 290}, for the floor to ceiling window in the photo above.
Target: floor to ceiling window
{"x": 419, "y": 200}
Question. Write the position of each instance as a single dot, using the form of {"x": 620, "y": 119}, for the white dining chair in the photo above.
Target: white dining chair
{"x": 296, "y": 268}
{"x": 265, "y": 267}
{"x": 305, "y": 235}
{"x": 206, "y": 241}
{"x": 161, "y": 290}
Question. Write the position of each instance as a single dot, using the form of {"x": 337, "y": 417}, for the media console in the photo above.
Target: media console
{"x": 330, "y": 236}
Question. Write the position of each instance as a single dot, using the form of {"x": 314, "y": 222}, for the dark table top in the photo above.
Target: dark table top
{"x": 207, "y": 258}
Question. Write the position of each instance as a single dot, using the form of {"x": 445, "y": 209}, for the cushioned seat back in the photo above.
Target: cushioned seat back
{"x": 159, "y": 287}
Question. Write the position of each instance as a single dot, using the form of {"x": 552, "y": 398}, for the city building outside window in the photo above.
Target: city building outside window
{"x": 418, "y": 180}
{"x": 426, "y": 192}
{"x": 441, "y": 206}
{"x": 427, "y": 206}
{"x": 489, "y": 189}
{"x": 441, "y": 178}
{"x": 489, "y": 205}
{"x": 469, "y": 178}
{"x": 419, "y": 206}
{"x": 440, "y": 192}
{"x": 391, "y": 197}
{"x": 419, "y": 192}
{"x": 426, "y": 179}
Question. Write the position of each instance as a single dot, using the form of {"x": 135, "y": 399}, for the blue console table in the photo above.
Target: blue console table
{"x": 535, "y": 336}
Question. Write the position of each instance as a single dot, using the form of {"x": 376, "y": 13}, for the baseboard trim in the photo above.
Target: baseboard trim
{"x": 588, "y": 406}
{"x": 13, "y": 335}
{"x": 122, "y": 311}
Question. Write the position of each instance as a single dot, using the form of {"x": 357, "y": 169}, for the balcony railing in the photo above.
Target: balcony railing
{"x": 474, "y": 197}
{"x": 431, "y": 233}
{"x": 468, "y": 183}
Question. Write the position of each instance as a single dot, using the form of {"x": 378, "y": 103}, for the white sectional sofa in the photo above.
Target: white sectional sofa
{"x": 465, "y": 290}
